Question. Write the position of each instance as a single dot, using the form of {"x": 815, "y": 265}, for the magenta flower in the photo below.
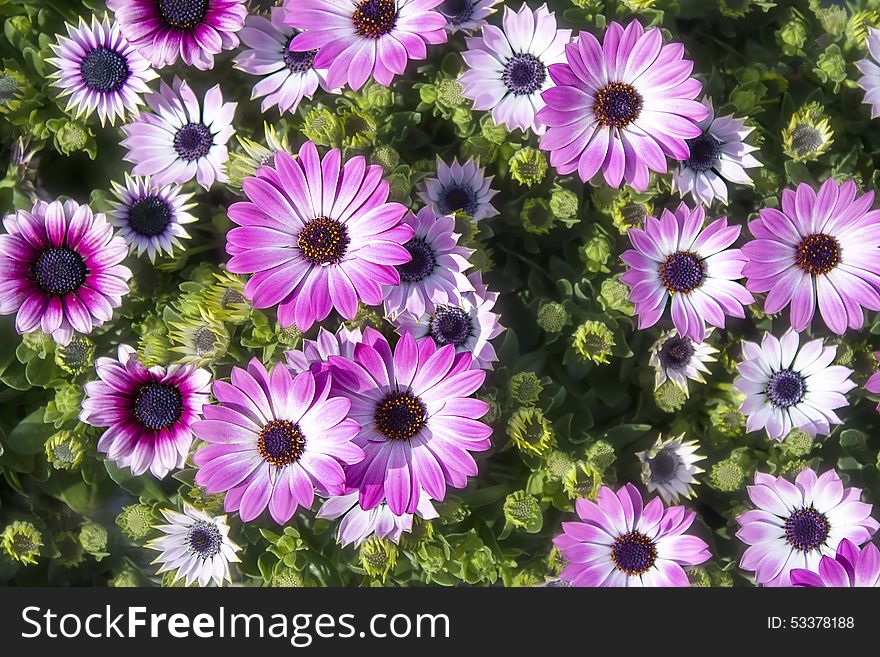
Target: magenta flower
{"x": 59, "y": 269}
{"x": 356, "y": 39}
{"x": 873, "y": 384}
{"x": 99, "y": 71}
{"x": 435, "y": 274}
{"x": 418, "y": 423}
{"x": 311, "y": 252}
{"x": 849, "y": 568}
{"x": 358, "y": 524}
{"x": 619, "y": 543}
{"x": 622, "y": 106}
{"x": 508, "y": 68}
{"x": 274, "y": 440}
{"x": 318, "y": 351}
{"x": 795, "y": 524}
{"x": 820, "y": 249}
{"x": 194, "y": 30}
{"x": 149, "y": 412}
{"x": 674, "y": 257}
{"x": 181, "y": 139}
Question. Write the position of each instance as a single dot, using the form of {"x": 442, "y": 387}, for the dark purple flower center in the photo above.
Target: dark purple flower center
{"x": 705, "y": 153}
{"x": 806, "y": 139}
{"x": 183, "y": 14}
{"x": 59, "y": 270}
{"x": 633, "y": 553}
{"x": 664, "y": 465}
{"x": 158, "y": 405}
{"x": 323, "y": 241}
{"x": 682, "y": 272}
{"x": 524, "y": 74}
{"x": 786, "y": 388}
{"x": 617, "y": 105}
{"x": 676, "y": 352}
{"x": 457, "y": 197}
{"x": 281, "y": 443}
{"x": 806, "y": 529}
{"x": 817, "y": 254}
{"x": 204, "y": 341}
{"x": 204, "y": 539}
{"x": 450, "y": 326}
{"x": 298, "y": 62}
{"x": 457, "y": 11}
{"x": 374, "y": 18}
{"x": 400, "y": 416}
{"x": 193, "y": 141}
{"x": 149, "y": 216}
{"x": 423, "y": 262}
{"x": 104, "y": 70}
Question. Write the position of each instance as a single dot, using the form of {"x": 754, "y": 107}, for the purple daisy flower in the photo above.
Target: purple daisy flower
{"x": 623, "y": 106}
{"x": 287, "y": 76}
{"x": 358, "y": 524}
{"x": 787, "y": 387}
{"x": 435, "y": 274}
{"x": 149, "y": 412}
{"x": 460, "y": 187}
{"x": 795, "y": 524}
{"x": 418, "y": 422}
{"x": 182, "y": 139}
{"x": 873, "y": 384}
{"x": 469, "y": 325}
{"x": 849, "y": 568}
{"x": 316, "y": 352}
{"x": 59, "y": 269}
{"x": 618, "y": 542}
{"x": 820, "y": 249}
{"x": 466, "y": 15}
{"x": 150, "y": 218}
{"x": 356, "y": 39}
{"x": 274, "y": 440}
{"x": 194, "y": 30}
{"x": 870, "y": 80}
{"x": 310, "y": 253}
{"x": 99, "y": 71}
{"x": 508, "y": 68}
{"x": 675, "y": 257}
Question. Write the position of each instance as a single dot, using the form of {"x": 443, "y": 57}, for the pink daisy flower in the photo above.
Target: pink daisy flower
{"x": 851, "y": 567}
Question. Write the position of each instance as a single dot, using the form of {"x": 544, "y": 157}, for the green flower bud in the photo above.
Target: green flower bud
{"x": 38, "y": 342}
{"x": 734, "y": 8}
{"x": 450, "y": 93}
{"x": 601, "y": 454}
{"x": 793, "y": 468}
{"x": 553, "y": 317}
{"x": 798, "y": 443}
{"x": 528, "y": 166}
{"x": 358, "y": 128}
{"x": 522, "y": 510}
{"x": 70, "y": 552}
{"x": 22, "y": 542}
{"x": 832, "y": 19}
{"x": 136, "y": 521}
{"x": 792, "y": 36}
{"x": 530, "y": 431}
{"x": 670, "y": 397}
{"x": 200, "y": 339}
{"x": 831, "y": 66}
{"x": 859, "y": 25}
{"x": 64, "y": 450}
{"x": 127, "y": 578}
{"x": 11, "y": 84}
{"x": 593, "y": 342}
{"x": 475, "y": 560}
{"x": 728, "y": 476}
{"x": 494, "y": 407}
{"x": 526, "y": 579}
{"x": 375, "y": 96}
{"x": 65, "y": 406}
{"x": 77, "y": 356}
{"x": 525, "y": 388}
{"x": 378, "y": 557}
{"x": 287, "y": 578}
{"x": 808, "y": 135}
{"x": 699, "y": 577}
{"x": 70, "y": 136}
{"x": 322, "y": 127}
{"x": 728, "y": 420}
{"x": 596, "y": 252}
{"x": 93, "y": 538}
{"x": 614, "y": 295}
{"x": 583, "y": 480}
{"x": 421, "y": 532}
{"x": 564, "y": 203}
{"x": 557, "y": 464}
{"x": 536, "y": 216}
{"x": 453, "y": 511}
{"x": 386, "y": 157}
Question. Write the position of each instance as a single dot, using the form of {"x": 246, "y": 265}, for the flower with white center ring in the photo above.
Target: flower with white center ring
{"x": 678, "y": 358}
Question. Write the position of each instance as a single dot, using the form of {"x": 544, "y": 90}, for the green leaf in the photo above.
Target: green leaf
{"x": 144, "y": 486}
{"x": 30, "y": 435}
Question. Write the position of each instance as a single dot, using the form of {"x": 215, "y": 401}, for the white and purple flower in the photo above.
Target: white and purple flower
{"x": 460, "y": 187}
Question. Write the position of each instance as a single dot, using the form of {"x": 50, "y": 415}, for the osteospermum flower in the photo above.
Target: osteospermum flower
{"x": 193, "y": 30}
{"x": 435, "y": 274}
{"x": 819, "y": 250}
{"x": 195, "y": 546}
{"x": 675, "y": 257}
{"x": 150, "y": 217}
{"x": 357, "y": 39}
{"x": 618, "y": 542}
{"x": 59, "y": 269}
{"x": 181, "y": 139}
{"x": 358, "y": 524}
{"x": 795, "y": 524}
{"x": 508, "y": 68}
{"x": 678, "y": 358}
{"x": 870, "y": 80}
{"x": 310, "y": 253}
{"x": 668, "y": 468}
{"x": 341, "y": 343}
{"x": 849, "y": 567}
{"x": 460, "y": 187}
{"x": 873, "y": 383}
{"x": 287, "y": 76}
{"x": 470, "y": 325}
{"x": 149, "y": 412}
{"x": 623, "y": 106}
{"x": 419, "y": 424}
{"x": 274, "y": 440}
{"x": 719, "y": 154}
{"x": 466, "y": 15}
{"x": 99, "y": 71}
{"x": 787, "y": 387}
